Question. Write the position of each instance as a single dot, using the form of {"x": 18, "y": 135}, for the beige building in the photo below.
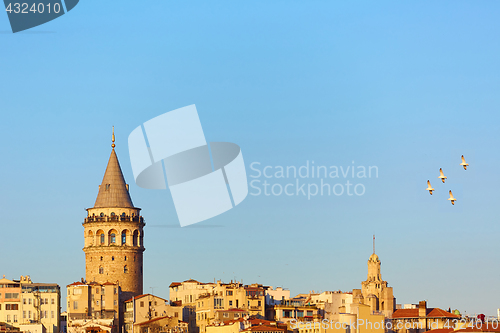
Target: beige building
{"x": 276, "y": 296}
{"x": 114, "y": 236}
{"x": 297, "y": 308}
{"x": 223, "y": 297}
{"x": 34, "y": 307}
{"x": 94, "y": 307}
{"x": 189, "y": 291}
{"x": 145, "y": 308}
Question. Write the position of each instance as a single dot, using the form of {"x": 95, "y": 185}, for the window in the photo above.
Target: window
{"x": 112, "y": 258}
{"x": 24, "y": 314}
{"x": 259, "y": 303}
{"x": 236, "y": 315}
{"x": 125, "y": 269}
{"x": 125, "y": 258}
{"x": 24, "y": 299}
{"x": 52, "y": 301}
{"x": 124, "y": 238}
{"x": 230, "y": 303}
{"x": 142, "y": 304}
{"x": 108, "y": 186}
{"x": 113, "y": 237}
{"x": 309, "y": 313}
{"x": 101, "y": 258}
{"x": 11, "y": 306}
{"x": 229, "y": 293}
{"x": 102, "y": 214}
{"x": 8, "y": 318}
{"x": 11, "y": 295}
{"x": 115, "y": 291}
{"x": 102, "y": 238}
{"x": 45, "y": 314}
{"x": 176, "y": 314}
{"x": 29, "y": 301}
{"x": 103, "y": 303}
{"x": 77, "y": 291}
{"x": 51, "y": 314}
{"x": 226, "y": 315}
{"x": 97, "y": 303}
{"x": 46, "y": 301}
{"x": 29, "y": 314}
{"x": 97, "y": 290}
{"x": 101, "y": 270}
{"x": 115, "y": 302}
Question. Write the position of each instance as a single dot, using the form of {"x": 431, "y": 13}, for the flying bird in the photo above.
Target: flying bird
{"x": 452, "y": 199}
{"x": 429, "y": 188}
{"x": 464, "y": 164}
{"x": 442, "y": 176}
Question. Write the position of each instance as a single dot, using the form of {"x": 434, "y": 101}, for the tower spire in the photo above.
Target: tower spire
{"x": 113, "y": 139}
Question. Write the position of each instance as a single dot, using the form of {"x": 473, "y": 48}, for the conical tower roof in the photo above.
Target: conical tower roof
{"x": 113, "y": 191}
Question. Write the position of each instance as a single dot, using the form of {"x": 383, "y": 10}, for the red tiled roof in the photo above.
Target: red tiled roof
{"x": 232, "y": 310}
{"x": 255, "y": 321}
{"x": 175, "y": 284}
{"x": 261, "y": 328}
{"x": 76, "y": 284}
{"x": 144, "y": 295}
{"x": 152, "y": 320}
{"x": 430, "y": 313}
{"x": 441, "y": 330}
{"x": 481, "y": 327}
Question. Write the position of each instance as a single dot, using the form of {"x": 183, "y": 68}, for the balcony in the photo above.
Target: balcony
{"x": 115, "y": 218}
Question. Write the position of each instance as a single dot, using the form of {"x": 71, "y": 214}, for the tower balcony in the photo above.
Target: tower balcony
{"x": 114, "y": 218}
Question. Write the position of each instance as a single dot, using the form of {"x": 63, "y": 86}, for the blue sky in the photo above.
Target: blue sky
{"x": 404, "y": 86}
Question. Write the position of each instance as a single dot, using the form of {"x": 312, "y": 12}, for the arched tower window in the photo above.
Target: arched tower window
{"x": 102, "y": 238}
{"x": 101, "y": 270}
{"x": 102, "y": 214}
{"x": 125, "y": 269}
{"x": 124, "y": 237}
{"x": 135, "y": 238}
{"x": 112, "y": 236}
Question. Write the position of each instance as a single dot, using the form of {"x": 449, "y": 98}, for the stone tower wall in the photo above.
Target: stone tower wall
{"x": 109, "y": 257}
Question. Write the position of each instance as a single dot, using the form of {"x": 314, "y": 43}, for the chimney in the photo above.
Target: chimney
{"x": 422, "y": 308}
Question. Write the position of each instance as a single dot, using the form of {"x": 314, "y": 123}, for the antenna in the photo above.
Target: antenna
{"x": 373, "y": 244}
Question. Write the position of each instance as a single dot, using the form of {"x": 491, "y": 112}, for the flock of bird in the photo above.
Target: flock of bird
{"x": 443, "y": 178}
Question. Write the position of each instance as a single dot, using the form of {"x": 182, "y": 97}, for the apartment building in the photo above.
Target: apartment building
{"x": 28, "y": 306}
{"x": 93, "y": 307}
